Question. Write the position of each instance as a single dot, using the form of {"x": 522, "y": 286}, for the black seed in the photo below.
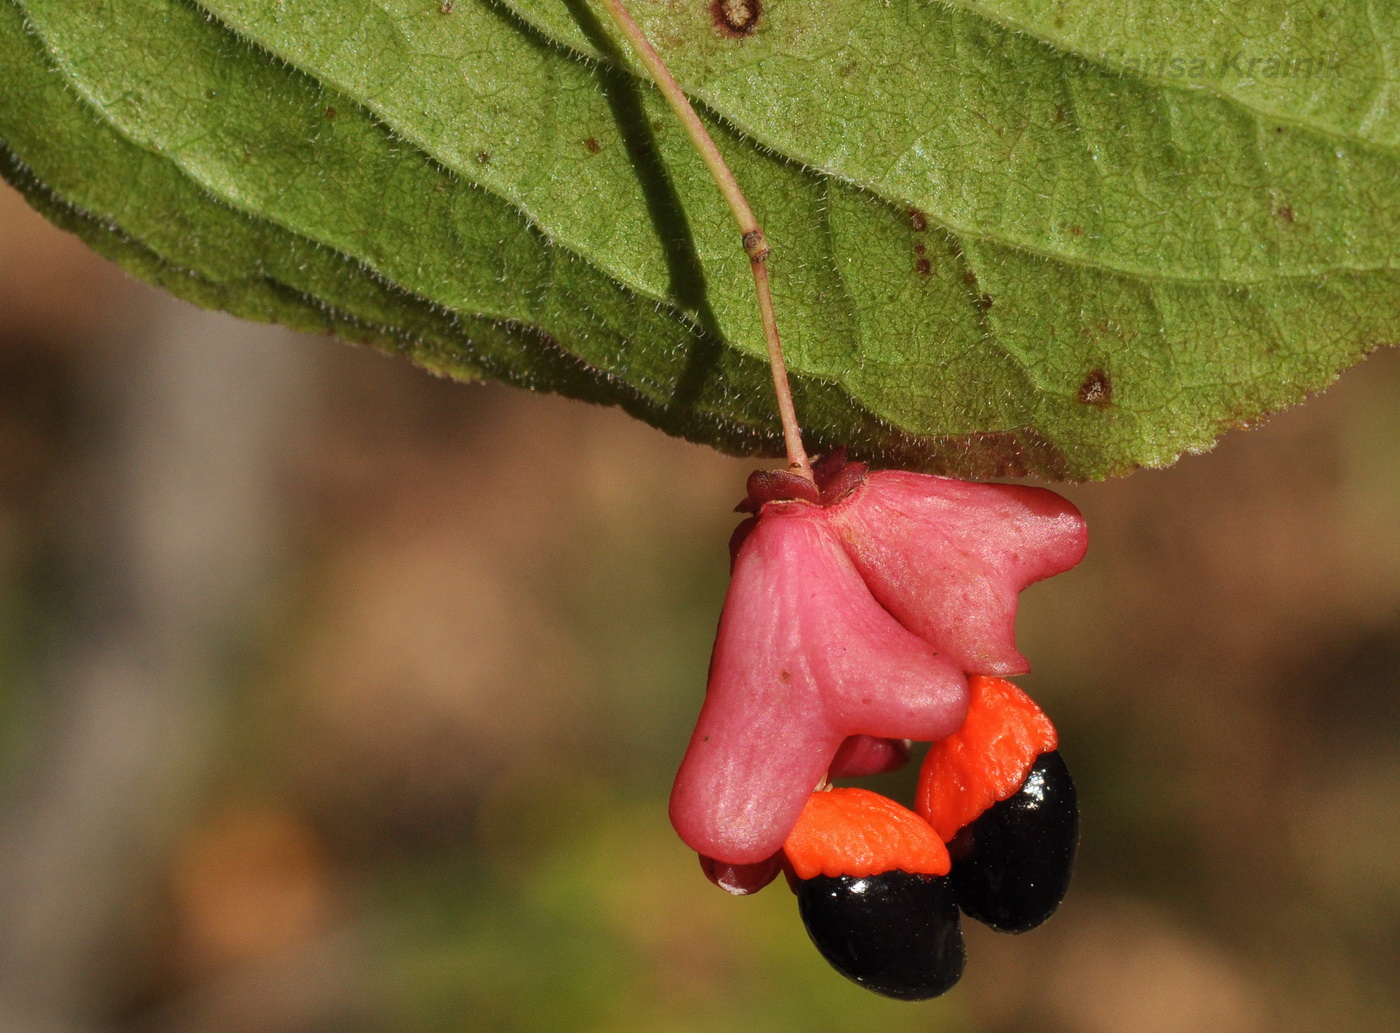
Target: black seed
{"x": 894, "y": 933}
{"x": 1011, "y": 867}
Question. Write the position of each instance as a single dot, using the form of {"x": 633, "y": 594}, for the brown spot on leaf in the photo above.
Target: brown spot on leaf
{"x": 985, "y": 302}
{"x": 970, "y": 280}
{"x": 445, "y": 7}
{"x": 918, "y": 221}
{"x": 592, "y": 146}
{"x": 1284, "y": 214}
{"x": 482, "y": 158}
{"x": 921, "y": 263}
{"x": 330, "y": 114}
{"x": 1097, "y": 389}
{"x": 736, "y": 18}
{"x": 1059, "y": 114}
{"x": 1076, "y": 231}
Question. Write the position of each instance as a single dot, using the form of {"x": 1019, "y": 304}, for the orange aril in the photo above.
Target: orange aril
{"x": 855, "y": 832}
{"x": 986, "y": 760}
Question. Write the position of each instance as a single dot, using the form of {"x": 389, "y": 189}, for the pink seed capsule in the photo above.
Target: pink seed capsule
{"x": 804, "y": 657}
{"x": 948, "y": 558}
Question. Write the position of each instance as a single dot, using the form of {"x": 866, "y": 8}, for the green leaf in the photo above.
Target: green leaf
{"x": 1009, "y": 236}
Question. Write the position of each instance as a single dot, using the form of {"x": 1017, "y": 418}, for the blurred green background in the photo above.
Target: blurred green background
{"x": 334, "y": 697}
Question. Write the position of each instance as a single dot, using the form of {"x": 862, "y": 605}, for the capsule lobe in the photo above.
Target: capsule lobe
{"x": 1012, "y": 865}
{"x": 894, "y": 933}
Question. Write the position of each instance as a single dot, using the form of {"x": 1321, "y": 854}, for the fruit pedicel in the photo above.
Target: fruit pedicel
{"x": 867, "y": 609}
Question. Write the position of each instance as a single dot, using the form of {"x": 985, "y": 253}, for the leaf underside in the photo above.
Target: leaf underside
{"x": 1010, "y": 237}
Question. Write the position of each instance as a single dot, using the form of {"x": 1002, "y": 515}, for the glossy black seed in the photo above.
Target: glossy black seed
{"x": 1011, "y": 867}
{"x": 894, "y": 933}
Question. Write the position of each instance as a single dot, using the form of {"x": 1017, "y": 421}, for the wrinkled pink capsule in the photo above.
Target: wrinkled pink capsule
{"x": 948, "y": 558}
{"x": 804, "y": 657}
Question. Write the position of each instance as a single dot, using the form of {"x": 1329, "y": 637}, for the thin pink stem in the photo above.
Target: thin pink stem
{"x": 755, "y": 243}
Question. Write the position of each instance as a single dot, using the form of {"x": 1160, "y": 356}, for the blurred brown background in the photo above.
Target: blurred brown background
{"x": 334, "y": 697}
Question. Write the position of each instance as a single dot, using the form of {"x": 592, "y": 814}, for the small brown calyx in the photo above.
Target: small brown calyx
{"x": 835, "y": 478}
{"x": 777, "y": 486}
